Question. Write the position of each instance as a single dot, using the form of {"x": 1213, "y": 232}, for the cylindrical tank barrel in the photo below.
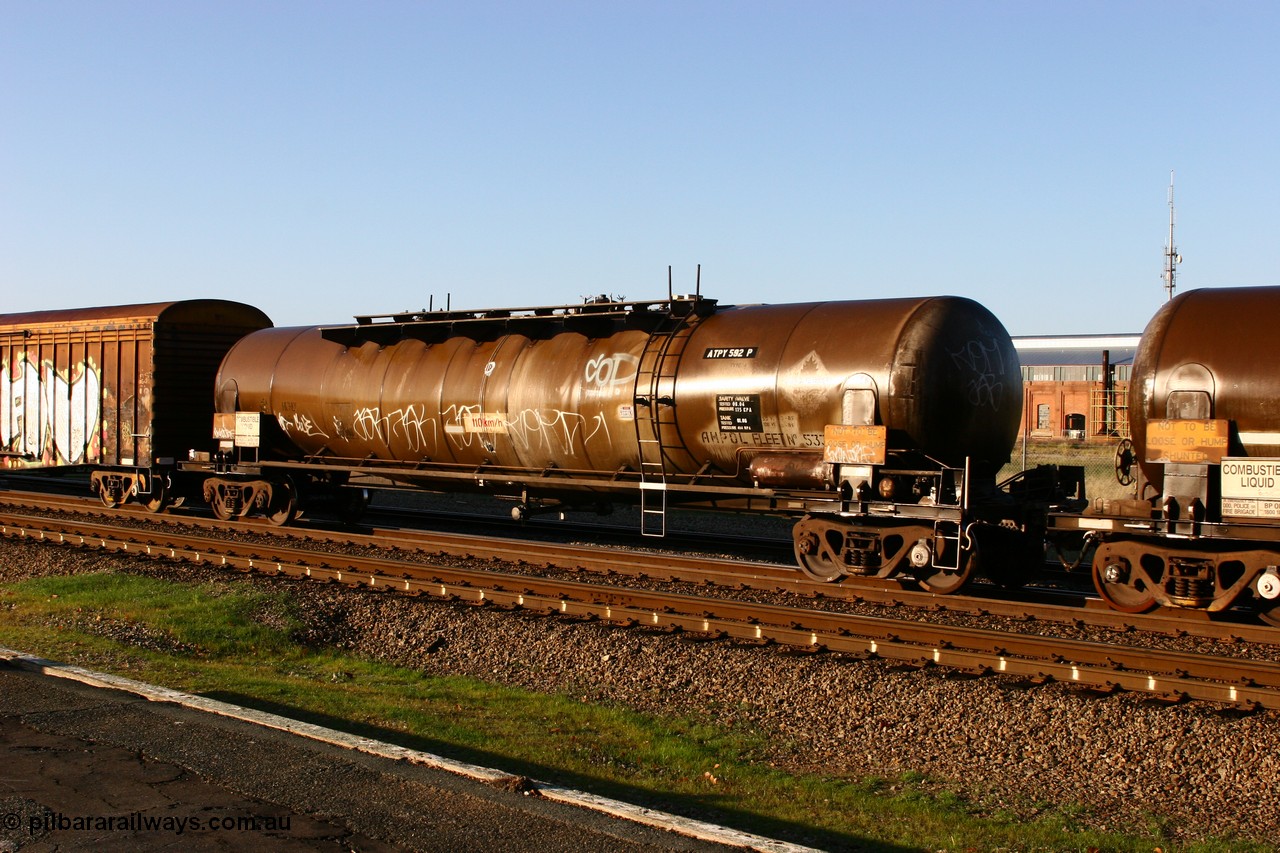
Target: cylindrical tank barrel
{"x": 940, "y": 373}
{"x": 1210, "y": 354}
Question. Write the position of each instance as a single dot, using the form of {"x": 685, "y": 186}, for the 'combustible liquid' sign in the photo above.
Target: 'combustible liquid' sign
{"x": 1250, "y": 488}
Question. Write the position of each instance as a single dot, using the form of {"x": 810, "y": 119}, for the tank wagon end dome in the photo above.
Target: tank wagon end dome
{"x": 1209, "y": 353}
{"x": 967, "y": 380}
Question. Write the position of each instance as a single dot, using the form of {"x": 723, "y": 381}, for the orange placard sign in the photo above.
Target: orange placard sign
{"x": 854, "y": 445}
{"x": 1194, "y": 441}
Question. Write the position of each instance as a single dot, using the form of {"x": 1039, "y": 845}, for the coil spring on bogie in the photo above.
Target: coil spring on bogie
{"x": 231, "y": 499}
{"x": 1190, "y": 580}
{"x": 862, "y": 554}
{"x": 1200, "y": 589}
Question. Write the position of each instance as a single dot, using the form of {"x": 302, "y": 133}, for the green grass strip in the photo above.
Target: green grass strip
{"x": 235, "y": 642}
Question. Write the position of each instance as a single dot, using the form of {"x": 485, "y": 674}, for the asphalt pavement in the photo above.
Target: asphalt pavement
{"x": 89, "y": 761}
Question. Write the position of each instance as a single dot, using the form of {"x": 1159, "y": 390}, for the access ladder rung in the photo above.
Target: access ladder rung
{"x": 940, "y": 535}
{"x": 650, "y": 515}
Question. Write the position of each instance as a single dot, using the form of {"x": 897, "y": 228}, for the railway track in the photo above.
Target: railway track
{"x": 1096, "y": 666}
{"x": 1035, "y": 606}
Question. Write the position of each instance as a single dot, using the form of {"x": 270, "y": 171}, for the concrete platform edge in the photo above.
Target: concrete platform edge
{"x": 616, "y": 808}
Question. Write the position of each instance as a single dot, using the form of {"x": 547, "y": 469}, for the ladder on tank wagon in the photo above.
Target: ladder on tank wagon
{"x": 657, "y": 435}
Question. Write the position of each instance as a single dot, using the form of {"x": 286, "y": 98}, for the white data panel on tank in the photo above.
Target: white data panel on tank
{"x": 1250, "y": 488}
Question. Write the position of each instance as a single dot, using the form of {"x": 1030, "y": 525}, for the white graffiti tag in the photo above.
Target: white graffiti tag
{"x": 606, "y": 372}
{"x": 547, "y": 431}
{"x": 410, "y": 425}
{"x": 300, "y": 424}
{"x": 553, "y": 426}
{"x": 47, "y": 416}
{"x": 20, "y": 419}
{"x": 74, "y": 408}
{"x": 411, "y": 430}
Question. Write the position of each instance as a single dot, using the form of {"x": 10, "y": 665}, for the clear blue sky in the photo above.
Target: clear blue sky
{"x": 327, "y": 159}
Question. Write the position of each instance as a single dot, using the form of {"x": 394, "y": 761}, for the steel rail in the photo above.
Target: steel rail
{"x": 1048, "y": 606}
{"x": 1173, "y": 675}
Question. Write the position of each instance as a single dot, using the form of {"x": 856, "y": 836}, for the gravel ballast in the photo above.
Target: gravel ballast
{"x": 1119, "y": 762}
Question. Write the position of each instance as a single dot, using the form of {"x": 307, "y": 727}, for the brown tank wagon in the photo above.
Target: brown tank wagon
{"x": 880, "y": 425}
{"x": 1205, "y": 415}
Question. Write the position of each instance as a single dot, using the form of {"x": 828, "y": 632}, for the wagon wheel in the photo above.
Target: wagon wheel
{"x": 940, "y": 579}
{"x": 817, "y": 559}
{"x": 158, "y": 500}
{"x": 816, "y": 562}
{"x": 1120, "y": 587}
{"x": 945, "y": 581}
{"x": 284, "y": 504}
{"x": 1124, "y": 463}
{"x": 819, "y": 567}
{"x": 1267, "y": 587}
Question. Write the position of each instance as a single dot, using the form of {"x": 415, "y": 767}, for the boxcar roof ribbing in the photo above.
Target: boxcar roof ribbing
{"x": 212, "y": 311}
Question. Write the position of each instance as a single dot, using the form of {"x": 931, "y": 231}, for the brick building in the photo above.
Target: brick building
{"x": 1076, "y": 387}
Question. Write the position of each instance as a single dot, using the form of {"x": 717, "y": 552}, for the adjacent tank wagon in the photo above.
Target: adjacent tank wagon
{"x": 1204, "y": 532}
{"x": 880, "y": 424}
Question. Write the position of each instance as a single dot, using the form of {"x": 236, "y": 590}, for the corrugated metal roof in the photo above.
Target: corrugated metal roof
{"x": 1069, "y": 350}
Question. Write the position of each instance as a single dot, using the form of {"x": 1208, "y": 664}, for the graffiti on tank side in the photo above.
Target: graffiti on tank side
{"x": 984, "y": 360}
{"x": 420, "y": 431}
{"x": 549, "y": 425}
{"x": 455, "y": 420}
{"x": 606, "y": 375}
{"x": 340, "y": 429}
{"x": 409, "y": 424}
{"x": 49, "y": 416}
{"x": 300, "y": 424}
{"x": 531, "y": 429}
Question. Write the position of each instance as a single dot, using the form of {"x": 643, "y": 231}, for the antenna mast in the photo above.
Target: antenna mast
{"x": 1171, "y": 256}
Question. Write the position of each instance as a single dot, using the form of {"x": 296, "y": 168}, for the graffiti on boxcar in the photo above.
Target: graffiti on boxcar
{"x": 985, "y": 362}
{"x": 21, "y": 428}
{"x": 47, "y": 417}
